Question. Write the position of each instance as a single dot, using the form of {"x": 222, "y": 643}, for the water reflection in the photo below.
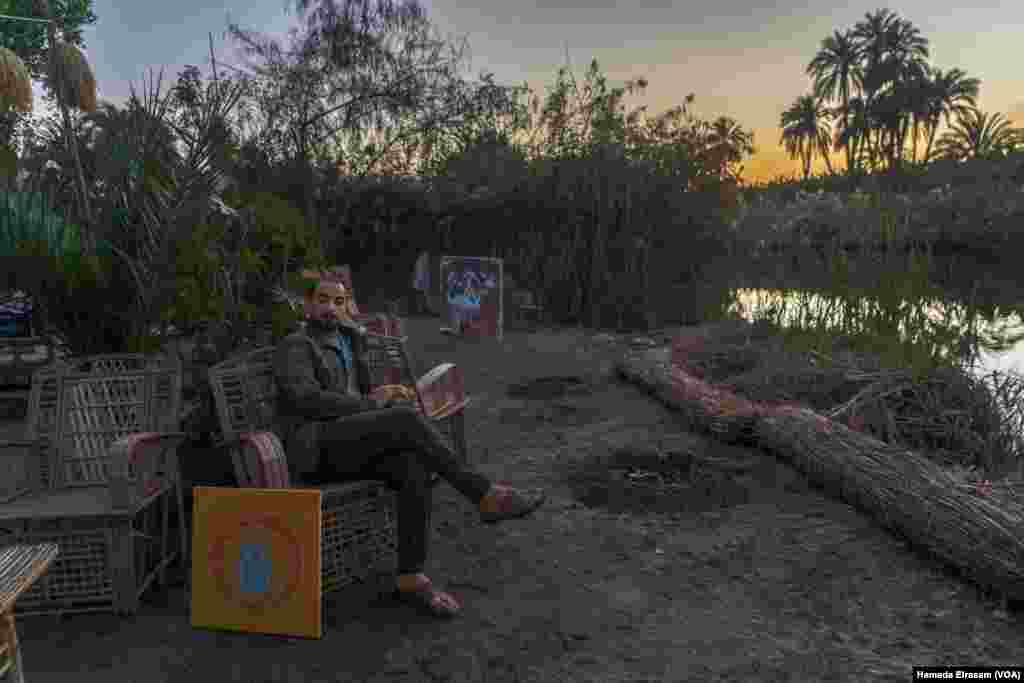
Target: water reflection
{"x": 985, "y": 337}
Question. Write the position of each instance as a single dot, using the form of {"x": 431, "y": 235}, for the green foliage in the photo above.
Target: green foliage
{"x": 494, "y": 114}
{"x": 983, "y": 213}
{"x": 280, "y": 228}
{"x": 893, "y": 318}
{"x": 591, "y": 202}
{"x": 28, "y": 39}
{"x": 198, "y": 266}
{"x": 225, "y": 270}
{"x": 28, "y": 216}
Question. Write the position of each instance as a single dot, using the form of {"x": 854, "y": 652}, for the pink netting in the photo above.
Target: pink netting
{"x": 272, "y": 470}
{"x": 717, "y": 402}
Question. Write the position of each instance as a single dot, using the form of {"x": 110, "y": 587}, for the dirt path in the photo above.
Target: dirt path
{"x": 743, "y": 573}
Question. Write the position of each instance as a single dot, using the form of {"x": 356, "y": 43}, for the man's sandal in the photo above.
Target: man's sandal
{"x": 430, "y": 601}
{"x": 504, "y": 502}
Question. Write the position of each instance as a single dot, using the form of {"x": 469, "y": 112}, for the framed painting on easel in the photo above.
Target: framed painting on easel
{"x": 473, "y": 295}
{"x": 256, "y": 561}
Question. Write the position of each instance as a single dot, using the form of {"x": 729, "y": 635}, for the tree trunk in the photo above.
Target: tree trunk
{"x": 88, "y": 238}
{"x": 931, "y": 140}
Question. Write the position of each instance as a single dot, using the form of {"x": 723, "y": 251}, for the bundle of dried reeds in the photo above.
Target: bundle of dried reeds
{"x": 978, "y": 533}
{"x": 938, "y": 511}
{"x": 704, "y": 407}
{"x": 15, "y": 84}
{"x": 945, "y": 410}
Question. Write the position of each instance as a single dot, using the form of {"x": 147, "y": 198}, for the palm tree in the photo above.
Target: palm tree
{"x": 918, "y": 97}
{"x": 836, "y": 68}
{"x": 728, "y": 143}
{"x": 900, "y": 105}
{"x": 806, "y": 131}
{"x": 894, "y": 53}
{"x": 853, "y": 129}
{"x": 131, "y": 146}
{"x": 976, "y": 135}
{"x": 952, "y": 93}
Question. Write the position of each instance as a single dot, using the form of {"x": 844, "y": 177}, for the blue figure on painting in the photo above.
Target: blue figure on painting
{"x": 472, "y": 294}
{"x": 464, "y": 295}
{"x": 254, "y": 568}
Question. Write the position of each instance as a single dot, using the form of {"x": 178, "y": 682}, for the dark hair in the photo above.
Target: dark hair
{"x": 311, "y": 281}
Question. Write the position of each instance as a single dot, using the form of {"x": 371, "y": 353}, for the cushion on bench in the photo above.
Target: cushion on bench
{"x": 266, "y": 451}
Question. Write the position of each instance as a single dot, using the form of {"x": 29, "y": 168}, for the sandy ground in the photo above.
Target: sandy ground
{"x": 731, "y": 570}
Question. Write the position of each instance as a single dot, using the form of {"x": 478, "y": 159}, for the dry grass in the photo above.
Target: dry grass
{"x": 946, "y": 412}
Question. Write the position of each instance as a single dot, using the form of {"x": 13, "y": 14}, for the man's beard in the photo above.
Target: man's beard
{"x": 324, "y": 326}
{"x": 330, "y": 326}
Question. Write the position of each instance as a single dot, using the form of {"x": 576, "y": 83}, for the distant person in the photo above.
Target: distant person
{"x": 335, "y": 429}
{"x": 421, "y": 285}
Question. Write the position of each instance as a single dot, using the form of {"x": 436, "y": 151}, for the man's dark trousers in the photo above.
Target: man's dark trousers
{"x": 397, "y": 446}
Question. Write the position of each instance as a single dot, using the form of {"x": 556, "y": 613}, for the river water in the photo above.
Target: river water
{"x": 965, "y": 306}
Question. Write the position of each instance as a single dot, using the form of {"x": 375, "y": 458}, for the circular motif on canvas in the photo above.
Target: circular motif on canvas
{"x": 257, "y": 565}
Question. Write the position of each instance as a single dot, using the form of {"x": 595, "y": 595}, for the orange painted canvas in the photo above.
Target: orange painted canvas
{"x": 256, "y": 561}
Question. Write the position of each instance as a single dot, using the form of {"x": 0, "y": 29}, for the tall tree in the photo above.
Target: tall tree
{"x": 728, "y": 143}
{"x": 24, "y": 32}
{"x": 28, "y": 39}
{"x": 836, "y": 70}
{"x": 893, "y": 52}
{"x": 853, "y": 130}
{"x": 806, "y": 132}
{"x": 351, "y": 67}
{"x": 952, "y": 94}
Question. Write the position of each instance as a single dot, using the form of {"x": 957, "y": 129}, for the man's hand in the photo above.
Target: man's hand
{"x": 391, "y": 395}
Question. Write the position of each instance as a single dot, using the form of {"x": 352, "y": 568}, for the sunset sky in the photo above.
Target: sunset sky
{"x": 742, "y": 62}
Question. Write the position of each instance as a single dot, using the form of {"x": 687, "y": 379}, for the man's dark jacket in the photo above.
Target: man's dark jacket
{"x": 311, "y": 390}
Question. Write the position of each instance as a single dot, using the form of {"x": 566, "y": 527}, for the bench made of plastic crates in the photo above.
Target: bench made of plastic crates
{"x": 80, "y": 453}
{"x": 100, "y": 504}
{"x": 110, "y": 417}
{"x": 359, "y": 528}
{"x": 43, "y": 395}
{"x": 106, "y": 561}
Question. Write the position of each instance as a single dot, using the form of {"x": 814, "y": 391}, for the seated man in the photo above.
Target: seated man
{"x": 334, "y": 431}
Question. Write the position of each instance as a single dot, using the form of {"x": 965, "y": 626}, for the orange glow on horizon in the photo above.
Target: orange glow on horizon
{"x": 771, "y": 161}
